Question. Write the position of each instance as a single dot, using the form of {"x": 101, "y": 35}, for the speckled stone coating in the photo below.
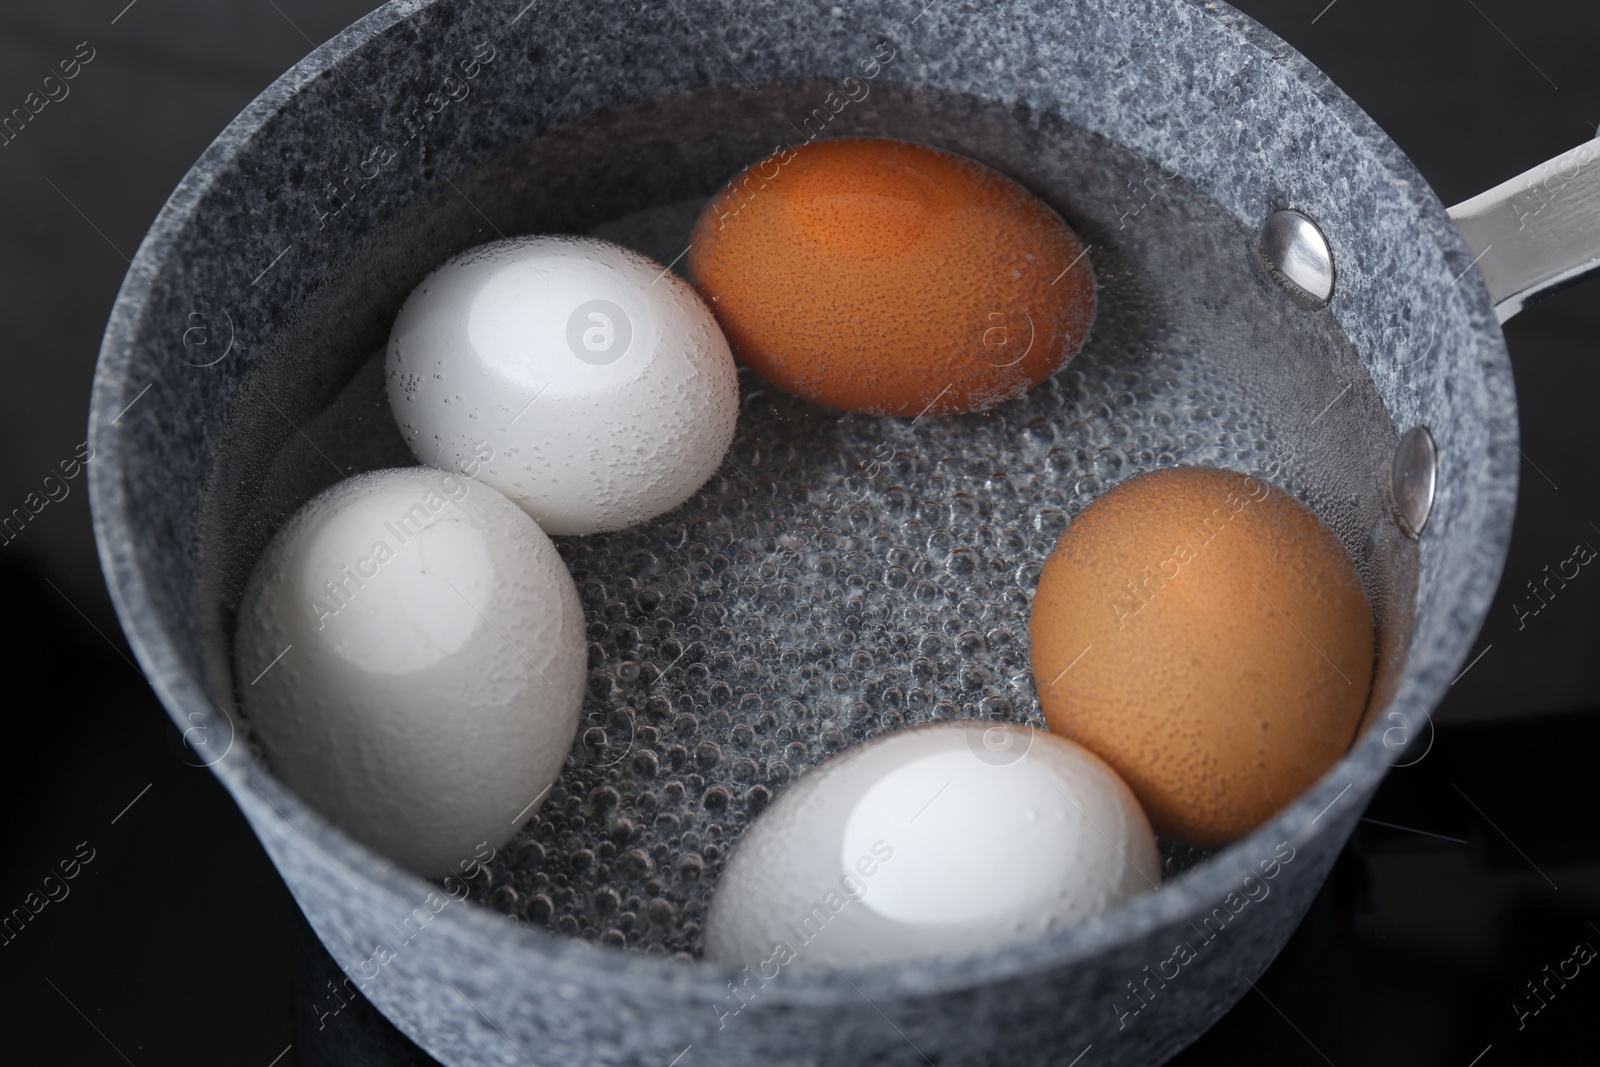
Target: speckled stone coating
{"x": 292, "y": 222}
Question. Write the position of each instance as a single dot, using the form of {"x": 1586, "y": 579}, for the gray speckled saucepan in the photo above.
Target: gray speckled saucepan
{"x": 236, "y": 379}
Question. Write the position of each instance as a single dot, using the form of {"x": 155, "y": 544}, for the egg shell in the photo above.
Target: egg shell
{"x": 885, "y": 277}
{"x": 583, "y": 380}
{"x": 410, "y": 654}
{"x": 1206, "y": 635}
{"x": 944, "y": 838}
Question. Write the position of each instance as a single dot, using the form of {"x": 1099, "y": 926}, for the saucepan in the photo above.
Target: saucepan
{"x": 1280, "y": 292}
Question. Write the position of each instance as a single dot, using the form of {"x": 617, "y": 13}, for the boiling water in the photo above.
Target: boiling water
{"x": 843, "y": 576}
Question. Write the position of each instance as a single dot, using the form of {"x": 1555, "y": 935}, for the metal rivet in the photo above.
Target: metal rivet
{"x": 1412, "y": 479}
{"x": 1299, "y": 255}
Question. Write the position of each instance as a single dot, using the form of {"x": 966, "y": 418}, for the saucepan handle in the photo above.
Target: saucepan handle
{"x": 1538, "y": 232}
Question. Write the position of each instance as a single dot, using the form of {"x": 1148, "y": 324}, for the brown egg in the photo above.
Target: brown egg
{"x": 1202, "y": 632}
{"x": 890, "y": 278}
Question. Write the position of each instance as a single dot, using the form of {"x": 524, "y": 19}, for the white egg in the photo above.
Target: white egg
{"x": 410, "y": 653}
{"x": 586, "y": 382}
{"x": 940, "y": 839}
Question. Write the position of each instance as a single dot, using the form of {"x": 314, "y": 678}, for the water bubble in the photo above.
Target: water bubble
{"x": 875, "y": 574}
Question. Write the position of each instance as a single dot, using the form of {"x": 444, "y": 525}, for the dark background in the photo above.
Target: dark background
{"x": 175, "y": 944}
